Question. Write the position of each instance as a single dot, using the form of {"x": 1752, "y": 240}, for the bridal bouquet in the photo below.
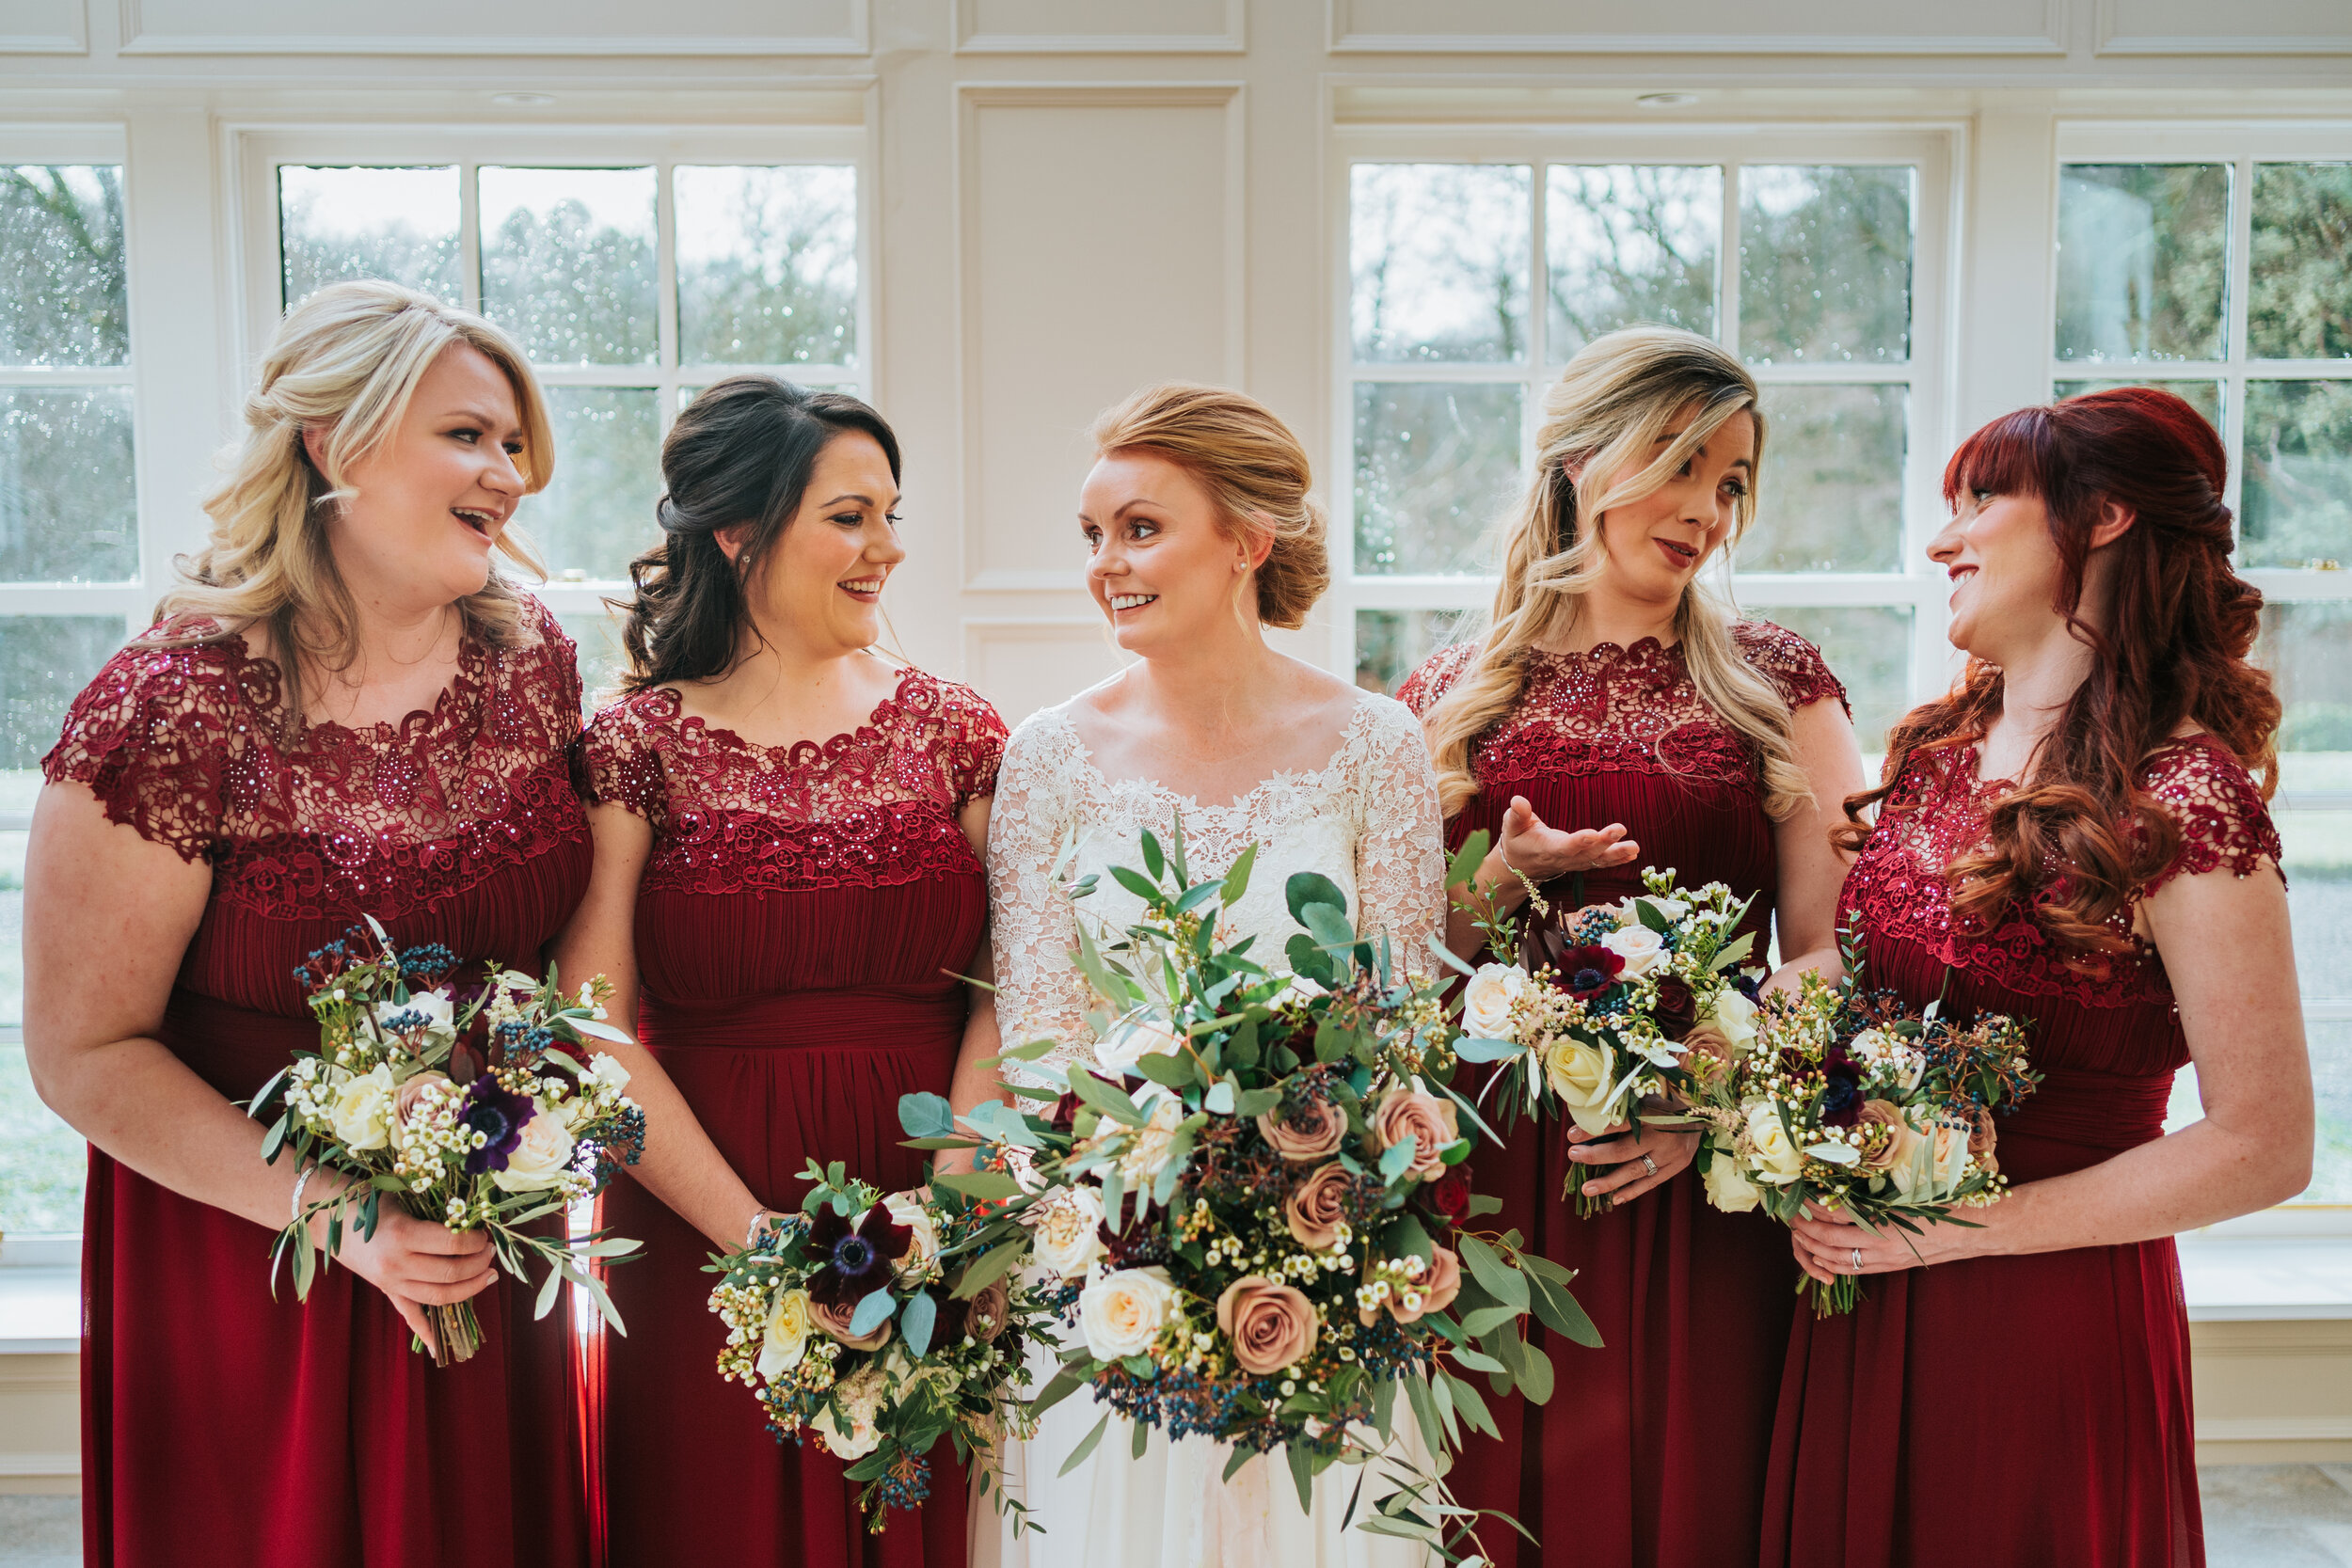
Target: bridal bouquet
{"x": 1850, "y": 1101}
{"x": 396, "y": 1099}
{"x": 845, "y": 1320}
{"x": 1256, "y": 1196}
{"x": 1599, "y": 1010}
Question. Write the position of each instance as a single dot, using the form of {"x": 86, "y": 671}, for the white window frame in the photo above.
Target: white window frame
{"x": 260, "y": 152}
{"x": 1935, "y": 147}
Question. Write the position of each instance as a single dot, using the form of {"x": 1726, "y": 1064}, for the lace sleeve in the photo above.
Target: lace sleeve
{"x": 974, "y": 741}
{"x": 618, "y": 764}
{"x": 157, "y": 737}
{"x": 2218, "y": 808}
{"x": 1040, "y": 994}
{"x": 1435, "y": 679}
{"x": 1400, "y": 854}
{"x": 1794, "y": 666}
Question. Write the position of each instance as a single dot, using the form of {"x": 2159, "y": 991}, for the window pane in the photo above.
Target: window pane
{"x": 2307, "y": 648}
{"x": 1435, "y": 466}
{"x": 68, "y": 512}
{"x": 2300, "y": 304}
{"x": 767, "y": 265}
{"x": 62, "y": 298}
{"x": 2203, "y": 396}
{"x": 396, "y": 224}
{"x": 45, "y": 661}
{"x": 1438, "y": 256}
{"x": 1825, "y": 264}
{"x": 2318, "y": 865}
{"x": 567, "y": 261}
{"x": 43, "y": 1161}
{"x": 1391, "y": 644}
{"x": 598, "y": 512}
{"x": 2331, "y": 1085}
{"x": 1870, "y": 649}
{"x": 2142, "y": 262}
{"x": 1630, "y": 243}
{"x": 598, "y": 639}
{"x": 2296, "y": 500}
{"x": 1830, "y": 490}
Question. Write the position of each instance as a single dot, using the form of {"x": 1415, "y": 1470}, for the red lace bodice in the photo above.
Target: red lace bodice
{"x": 1622, "y": 734}
{"x": 457, "y": 824}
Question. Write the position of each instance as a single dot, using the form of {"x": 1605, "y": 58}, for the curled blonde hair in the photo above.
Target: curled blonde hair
{"x": 347, "y": 359}
{"x": 1617, "y": 398}
{"x": 1254, "y": 470}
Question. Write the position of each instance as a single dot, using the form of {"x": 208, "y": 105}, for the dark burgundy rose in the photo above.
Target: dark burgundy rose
{"x": 1841, "y": 1090}
{"x": 857, "y": 1258}
{"x": 1066, "y": 1111}
{"x": 1449, "y": 1196}
{"x": 948, "y": 1325}
{"x": 498, "y": 1117}
{"x": 1677, "y": 1010}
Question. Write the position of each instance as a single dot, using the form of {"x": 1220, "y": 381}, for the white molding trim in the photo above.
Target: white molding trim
{"x": 2109, "y": 43}
{"x": 966, "y": 39}
{"x": 2273, "y": 1429}
{"x": 39, "y": 1464}
{"x": 1344, "y": 40}
{"x": 138, "y": 41}
{"x": 74, "y": 43}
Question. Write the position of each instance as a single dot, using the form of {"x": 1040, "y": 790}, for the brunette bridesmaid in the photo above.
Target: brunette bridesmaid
{"x": 787, "y": 885}
{"x": 2071, "y": 836}
{"x": 1612, "y": 686}
{"x": 345, "y": 710}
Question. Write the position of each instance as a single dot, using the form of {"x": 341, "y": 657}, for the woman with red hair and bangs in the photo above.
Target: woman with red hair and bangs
{"x": 2074, "y": 836}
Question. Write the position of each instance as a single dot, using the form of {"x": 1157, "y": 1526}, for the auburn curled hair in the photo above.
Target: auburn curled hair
{"x": 2079, "y": 834}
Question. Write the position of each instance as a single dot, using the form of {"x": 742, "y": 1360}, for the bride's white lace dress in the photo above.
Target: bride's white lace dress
{"x": 1368, "y": 819}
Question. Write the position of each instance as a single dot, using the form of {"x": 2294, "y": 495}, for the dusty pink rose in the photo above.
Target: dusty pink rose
{"x": 412, "y": 1093}
{"x": 1317, "y": 1207}
{"x": 990, "y": 1307}
{"x": 1271, "y": 1325}
{"x": 1310, "y": 1131}
{"x": 1439, "y": 1284}
{"x": 1428, "y": 1120}
{"x": 1981, "y": 1135}
{"x": 835, "y": 1320}
{"x": 1879, "y": 1113}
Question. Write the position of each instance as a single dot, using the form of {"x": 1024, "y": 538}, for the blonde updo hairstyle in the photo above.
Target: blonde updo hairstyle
{"x": 1255, "y": 472}
{"x": 347, "y": 360}
{"x": 1618, "y": 397}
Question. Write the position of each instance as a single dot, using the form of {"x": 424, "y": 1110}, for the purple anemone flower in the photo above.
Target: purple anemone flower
{"x": 857, "y": 1260}
{"x": 498, "y": 1116}
{"x": 1841, "y": 1090}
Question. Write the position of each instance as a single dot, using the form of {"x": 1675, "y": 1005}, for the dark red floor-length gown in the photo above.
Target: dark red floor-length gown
{"x": 1651, "y": 1450}
{"x": 2034, "y": 1408}
{"x": 220, "y": 1425}
{"x": 800, "y": 927}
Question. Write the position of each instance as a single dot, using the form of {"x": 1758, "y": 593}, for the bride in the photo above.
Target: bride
{"x": 1199, "y": 535}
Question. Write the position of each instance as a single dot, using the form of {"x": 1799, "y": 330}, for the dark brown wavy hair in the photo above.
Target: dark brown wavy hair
{"x": 2076, "y": 838}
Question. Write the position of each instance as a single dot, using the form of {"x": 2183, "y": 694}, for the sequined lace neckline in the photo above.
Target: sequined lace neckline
{"x": 724, "y": 739}
{"x": 465, "y": 685}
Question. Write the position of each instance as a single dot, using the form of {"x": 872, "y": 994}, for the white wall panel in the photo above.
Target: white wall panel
{"x": 1092, "y": 27}
{"x": 1102, "y": 249}
{"x": 1025, "y": 665}
{"x": 511, "y": 28}
{"x": 44, "y": 27}
{"x": 2247, "y": 27}
{"x": 1702, "y": 26}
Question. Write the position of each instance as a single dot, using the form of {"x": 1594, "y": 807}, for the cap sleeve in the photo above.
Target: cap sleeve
{"x": 163, "y": 738}
{"x": 1435, "y": 677}
{"x": 974, "y": 737}
{"x": 1794, "y": 666}
{"x": 617, "y": 760}
{"x": 2218, "y": 808}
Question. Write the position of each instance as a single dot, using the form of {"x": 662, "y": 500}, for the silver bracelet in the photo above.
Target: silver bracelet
{"x": 301, "y": 1180}
{"x": 761, "y": 1223}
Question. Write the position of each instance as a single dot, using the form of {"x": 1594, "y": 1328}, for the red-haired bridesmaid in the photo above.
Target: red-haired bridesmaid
{"x": 2072, "y": 836}
{"x": 1612, "y": 687}
{"x": 787, "y": 885}
{"x": 345, "y": 710}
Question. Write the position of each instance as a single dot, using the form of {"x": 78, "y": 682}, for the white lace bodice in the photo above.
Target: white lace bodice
{"x": 1367, "y": 818}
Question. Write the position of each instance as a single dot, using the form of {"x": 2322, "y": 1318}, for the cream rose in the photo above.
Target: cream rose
{"x": 1130, "y": 1042}
{"x": 1773, "y": 1157}
{"x": 1640, "y": 947}
{"x": 609, "y": 1072}
{"x": 1582, "y": 1076}
{"x": 540, "y": 1157}
{"x": 835, "y": 1322}
{"x": 921, "y": 1261}
{"x": 784, "y": 1339}
{"x": 1067, "y": 1229}
{"x": 1727, "y": 1189}
{"x": 1122, "y": 1312}
{"x": 434, "y": 1005}
{"x": 1734, "y": 1015}
{"x": 1429, "y": 1122}
{"x": 1486, "y": 1001}
{"x": 1947, "y": 1145}
{"x": 1316, "y": 1210}
{"x": 1272, "y": 1327}
{"x": 860, "y": 1394}
{"x": 1908, "y": 1163}
{"x": 361, "y": 1112}
{"x": 1311, "y": 1130}
{"x": 1150, "y": 1146}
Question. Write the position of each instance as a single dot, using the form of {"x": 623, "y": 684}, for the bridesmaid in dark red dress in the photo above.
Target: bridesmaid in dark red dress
{"x": 787, "y": 830}
{"x": 1613, "y": 688}
{"x": 221, "y": 805}
{"x": 2024, "y": 1396}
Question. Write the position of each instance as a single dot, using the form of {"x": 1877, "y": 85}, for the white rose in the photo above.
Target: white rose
{"x": 1673, "y": 908}
{"x": 435, "y": 1004}
{"x": 1910, "y": 1161}
{"x": 361, "y": 1112}
{"x": 609, "y": 1072}
{"x": 1068, "y": 1224}
{"x": 1131, "y": 1042}
{"x": 784, "y": 1340}
{"x": 1776, "y": 1160}
{"x": 1122, "y": 1312}
{"x": 540, "y": 1156}
{"x": 1734, "y": 1015}
{"x": 1150, "y": 1146}
{"x": 1584, "y": 1076}
{"x": 922, "y": 1260}
{"x": 1727, "y": 1189}
{"x": 1639, "y": 946}
{"x": 1487, "y": 999}
{"x": 861, "y": 1395}
{"x": 1937, "y": 1162}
